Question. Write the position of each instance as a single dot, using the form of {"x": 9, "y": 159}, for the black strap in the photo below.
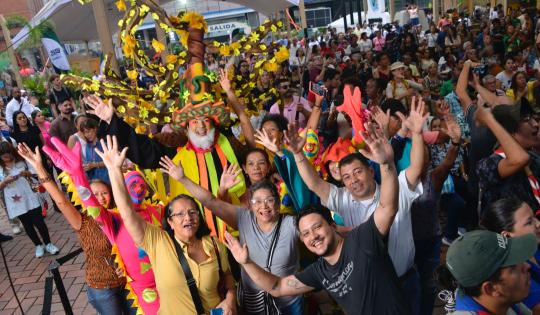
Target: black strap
{"x": 189, "y": 276}
{"x": 273, "y": 244}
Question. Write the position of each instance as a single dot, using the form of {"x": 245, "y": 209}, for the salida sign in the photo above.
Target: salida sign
{"x": 223, "y": 29}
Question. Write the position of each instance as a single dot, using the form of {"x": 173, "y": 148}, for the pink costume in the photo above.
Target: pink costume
{"x": 135, "y": 261}
{"x": 45, "y": 133}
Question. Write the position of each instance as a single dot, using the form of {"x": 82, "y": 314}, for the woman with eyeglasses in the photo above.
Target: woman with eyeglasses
{"x": 184, "y": 226}
{"x": 272, "y": 239}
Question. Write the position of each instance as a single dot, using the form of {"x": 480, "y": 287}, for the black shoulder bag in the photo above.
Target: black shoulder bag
{"x": 261, "y": 301}
{"x": 189, "y": 276}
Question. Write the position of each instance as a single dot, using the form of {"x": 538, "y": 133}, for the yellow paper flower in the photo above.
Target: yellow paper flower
{"x": 273, "y": 28}
{"x": 171, "y": 58}
{"x": 183, "y": 35}
{"x": 262, "y": 46}
{"x": 167, "y": 119}
{"x": 140, "y": 129}
{"x": 216, "y": 44}
{"x": 120, "y": 5}
{"x": 121, "y": 109}
{"x": 235, "y": 46}
{"x": 262, "y": 28}
{"x": 154, "y": 120}
{"x": 174, "y": 19}
{"x": 271, "y": 67}
{"x": 143, "y": 113}
{"x": 254, "y": 37}
{"x": 129, "y": 45}
{"x": 132, "y": 74}
{"x": 158, "y": 46}
{"x": 195, "y": 20}
{"x": 282, "y": 54}
{"x": 225, "y": 50}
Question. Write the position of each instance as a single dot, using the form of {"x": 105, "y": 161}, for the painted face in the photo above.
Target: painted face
{"x": 200, "y": 125}
{"x": 311, "y": 148}
{"x": 136, "y": 187}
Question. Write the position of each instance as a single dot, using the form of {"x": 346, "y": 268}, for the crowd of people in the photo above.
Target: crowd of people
{"x": 373, "y": 148}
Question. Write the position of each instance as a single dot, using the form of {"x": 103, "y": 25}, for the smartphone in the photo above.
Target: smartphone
{"x": 480, "y": 70}
{"x": 318, "y": 89}
{"x": 216, "y": 311}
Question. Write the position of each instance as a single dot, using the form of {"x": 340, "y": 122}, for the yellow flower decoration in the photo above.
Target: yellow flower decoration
{"x": 170, "y": 66}
{"x": 273, "y": 28}
{"x": 132, "y": 74}
{"x": 262, "y": 47}
{"x": 143, "y": 113}
{"x": 120, "y": 23}
{"x": 158, "y": 46}
{"x": 140, "y": 129}
{"x": 280, "y": 24}
{"x": 183, "y": 35}
{"x": 154, "y": 120}
{"x": 271, "y": 67}
{"x": 195, "y": 20}
{"x": 216, "y": 44}
{"x": 262, "y": 28}
{"x": 282, "y": 54}
{"x": 121, "y": 109}
{"x": 120, "y": 5}
{"x": 129, "y": 45}
{"x": 167, "y": 119}
{"x": 225, "y": 50}
{"x": 254, "y": 37}
{"x": 171, "y": 58}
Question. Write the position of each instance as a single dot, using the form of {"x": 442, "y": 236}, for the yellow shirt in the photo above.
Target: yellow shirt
{"x": 529, "y": 95}
{"x": 171, "y": 284}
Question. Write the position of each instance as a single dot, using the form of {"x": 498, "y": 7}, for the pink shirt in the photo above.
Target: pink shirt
{"x": 289, "y": 110}
{"x": 378, "y": 43}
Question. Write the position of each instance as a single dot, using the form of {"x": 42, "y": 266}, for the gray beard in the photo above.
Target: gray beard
{"x": 202, "y": 142}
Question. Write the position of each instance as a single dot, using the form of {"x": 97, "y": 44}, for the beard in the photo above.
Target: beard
{"x": 202, "y": 142}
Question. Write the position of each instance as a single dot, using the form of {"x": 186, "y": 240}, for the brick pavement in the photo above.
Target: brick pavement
{"x": 29, "y": 273}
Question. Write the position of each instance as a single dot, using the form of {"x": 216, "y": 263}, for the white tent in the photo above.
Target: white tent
{"x": 338, "y": 24}
{"x": 75, "y": 22}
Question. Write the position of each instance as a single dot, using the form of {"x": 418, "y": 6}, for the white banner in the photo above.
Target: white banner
{"x": 56, "y": 53}
{"x": 376, "y": 6}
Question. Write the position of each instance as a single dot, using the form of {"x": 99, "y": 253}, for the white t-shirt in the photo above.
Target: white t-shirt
{"x": 400, "y": 238}
{"x": 505, "y": 79}
{"x": 365, "y": 45}
{"x": 18, "y": 195}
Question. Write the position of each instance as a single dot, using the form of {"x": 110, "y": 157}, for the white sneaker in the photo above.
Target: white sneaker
{"x": 51, "y": 249}
{"x": 461, "y": 231}
{"x": 40, "y": 251}
{"x": 17, "y": 230}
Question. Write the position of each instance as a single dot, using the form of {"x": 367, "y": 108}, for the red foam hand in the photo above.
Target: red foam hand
{"x": 352, "y": 106}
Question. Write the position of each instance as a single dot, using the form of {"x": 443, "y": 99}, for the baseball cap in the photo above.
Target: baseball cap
{"x": 346, "y": 58}
{"x": 475, "y": 256}
{"x": 397, "y": 65}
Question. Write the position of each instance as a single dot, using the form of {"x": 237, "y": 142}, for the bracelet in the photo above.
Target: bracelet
{"x": 43, "y": 180}
{"x": 457, "y": 144}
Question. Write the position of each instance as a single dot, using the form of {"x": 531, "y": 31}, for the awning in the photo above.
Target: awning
{"x": 75, "y": 22}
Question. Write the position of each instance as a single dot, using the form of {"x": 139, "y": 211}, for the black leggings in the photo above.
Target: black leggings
{"x": 31, "y": 219}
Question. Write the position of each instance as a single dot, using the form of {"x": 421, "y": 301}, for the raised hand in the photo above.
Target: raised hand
{"x": 378, "y": 148}
{"x": 453, "y": 130}
{"x": 69, "y": 160}
{"x": 262, "y": 138}
{"x": 224, "y": 80}
{"x": 34, "y": 158}
{"x": 110, "y": 155}
{"x": 240, "y": 252}
{"x": 381, "y": 118}
{"x": 176, "y": 171}
{"x": 230, "y": 178}
{"x": 294, "y": 140}
{"x": 442, "y": 108}
{"x": 99, "y": 108}
{"x": 417, "y": 119}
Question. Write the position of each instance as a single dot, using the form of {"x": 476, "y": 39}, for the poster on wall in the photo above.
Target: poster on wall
{"x": 376, "y": 6}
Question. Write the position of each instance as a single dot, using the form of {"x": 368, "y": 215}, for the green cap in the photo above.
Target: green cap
{"x": 477, "y": 255}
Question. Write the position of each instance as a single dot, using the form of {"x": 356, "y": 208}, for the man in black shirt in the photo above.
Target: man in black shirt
{"x": 57, "y": 95}
{"x": 356, "y": 271}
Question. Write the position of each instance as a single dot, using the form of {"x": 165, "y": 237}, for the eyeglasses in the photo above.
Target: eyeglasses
{"x": 267, "y": 201}
{"x": 529, "y": 118}
{"x": 191, "y": 212}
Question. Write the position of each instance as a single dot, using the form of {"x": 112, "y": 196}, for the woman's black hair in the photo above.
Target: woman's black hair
{"x": 16, "y": 128}
{"x": 203, "y": 229}
{"x": 446, "y": 281}
{"x": 89, "y": 123}
{"x": 7, "y": 147}
{"x": 34, "y": 115}
{"x": 499, "y": 216}
{"x": 278, "y": 119}
{"x": 78, "y": 117}
{"x": 513, "y": 85}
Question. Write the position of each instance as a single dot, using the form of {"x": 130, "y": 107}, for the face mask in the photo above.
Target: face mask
{"x": 136, "y": 187}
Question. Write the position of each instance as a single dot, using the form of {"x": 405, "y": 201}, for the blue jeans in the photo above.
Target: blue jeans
{"x": 410, "y": 285}
{"x": 296, "y": 308}
{"x": 110, "y": 301}
{"x": 427, "y": 258}
{"x": 455, "y": 205}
